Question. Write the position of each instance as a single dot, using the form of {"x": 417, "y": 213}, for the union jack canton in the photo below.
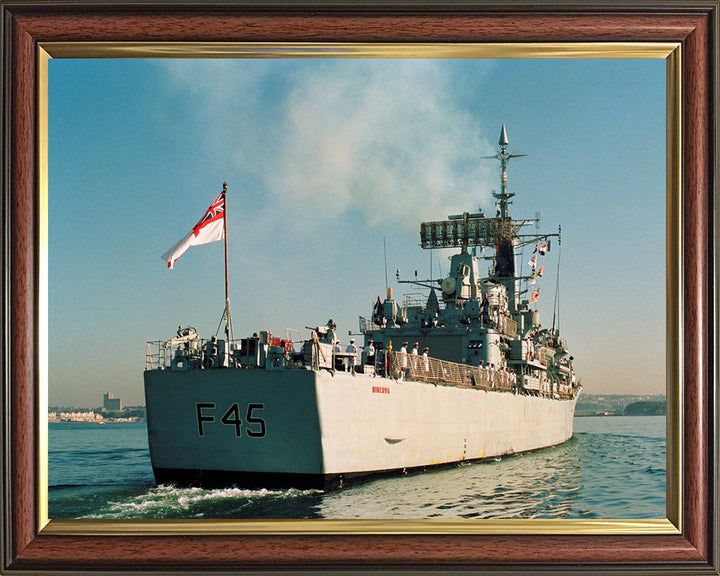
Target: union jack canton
{"x": 215, "y": 212}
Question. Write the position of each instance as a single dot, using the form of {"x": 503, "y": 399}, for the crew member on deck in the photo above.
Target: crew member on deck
{"x": 414, "y": 353}
{"x": 330, "y": 335}
{"x": 485, "y": 309}
{"x": 339, "y": 362}
{"x": 405, "y": 372}
{"x": 351, "y": 349}
{"x": 370, "y": 353}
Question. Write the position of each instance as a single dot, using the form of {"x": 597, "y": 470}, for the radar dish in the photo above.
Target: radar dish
{"x": 448, "y": 285}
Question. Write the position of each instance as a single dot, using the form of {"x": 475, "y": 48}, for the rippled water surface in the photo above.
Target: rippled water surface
{"x": 613, "y": 467}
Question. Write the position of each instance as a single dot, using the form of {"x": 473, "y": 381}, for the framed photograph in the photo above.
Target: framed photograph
{"x": 87, "y": 86}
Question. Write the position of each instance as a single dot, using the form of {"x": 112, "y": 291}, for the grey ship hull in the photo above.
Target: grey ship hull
{"x": 306, "y": 428}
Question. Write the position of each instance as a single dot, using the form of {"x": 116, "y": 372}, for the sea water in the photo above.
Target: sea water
{"x": 612, "y": 467}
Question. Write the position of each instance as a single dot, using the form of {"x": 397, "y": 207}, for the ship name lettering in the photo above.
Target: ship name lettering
{"x": 380, "y": 390}
{"x": 255, "y": 428}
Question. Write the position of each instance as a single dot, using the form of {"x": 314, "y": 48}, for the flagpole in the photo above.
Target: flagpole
{"x": 226, "y": 243}
{"x": 228, "y": 321}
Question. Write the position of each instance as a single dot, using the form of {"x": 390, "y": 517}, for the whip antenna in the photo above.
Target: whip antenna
{"x": 556, "y": 306}
{"x": 385, "y": 252}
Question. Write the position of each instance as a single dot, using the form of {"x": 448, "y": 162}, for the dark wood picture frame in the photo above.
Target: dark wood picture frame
{"x": 27, "y": 24}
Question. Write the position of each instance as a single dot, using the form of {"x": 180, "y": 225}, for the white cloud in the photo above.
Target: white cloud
{"x": 383, "y": 140}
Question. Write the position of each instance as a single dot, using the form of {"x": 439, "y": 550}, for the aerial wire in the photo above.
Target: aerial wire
{"x": 556, "y": 306}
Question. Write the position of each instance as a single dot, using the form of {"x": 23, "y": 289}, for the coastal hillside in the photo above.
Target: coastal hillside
{"x": 620, "y": 405}
{"x": 645, "y": 408}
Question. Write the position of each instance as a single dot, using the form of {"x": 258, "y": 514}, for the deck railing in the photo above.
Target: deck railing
{"x": 396, "y": 365}
{"x": 403, "y": 366}
{"x": 157, "y": 355}
{"x": 162, "y": 353}
{"x": 433, "y": 370}
{"x": 508, "y": 326}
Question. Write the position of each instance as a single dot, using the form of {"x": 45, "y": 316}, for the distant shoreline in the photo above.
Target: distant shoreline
{"x": 621, "y": 405}
{"x": 57, "y": 414}
{"x": 95, "y": 421}
{"x": 613, "y": 415}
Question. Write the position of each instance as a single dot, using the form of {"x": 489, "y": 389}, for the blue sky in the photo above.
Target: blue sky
{"x": 324, "y": 159}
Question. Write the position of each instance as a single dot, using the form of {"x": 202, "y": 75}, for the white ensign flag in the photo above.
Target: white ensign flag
{"x": 210, "y": 228}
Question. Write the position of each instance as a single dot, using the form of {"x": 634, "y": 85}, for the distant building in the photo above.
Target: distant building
{"x": 111, "y": 403}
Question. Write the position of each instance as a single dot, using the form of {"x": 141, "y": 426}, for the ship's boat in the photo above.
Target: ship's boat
{"x": 463, "y": 371}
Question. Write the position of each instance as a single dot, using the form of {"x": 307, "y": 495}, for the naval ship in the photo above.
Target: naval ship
{"x": 461, "y": 371}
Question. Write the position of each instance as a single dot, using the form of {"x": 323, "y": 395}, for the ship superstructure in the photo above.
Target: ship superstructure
{"x": 482, "y": 319}
{"x": 462, "y": 372}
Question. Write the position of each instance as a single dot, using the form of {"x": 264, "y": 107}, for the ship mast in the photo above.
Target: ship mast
{"x": 505, "y": 243}
{"x": 504, "y": 196}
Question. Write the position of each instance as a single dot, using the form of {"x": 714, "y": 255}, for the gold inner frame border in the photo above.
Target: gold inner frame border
{"x": 669, "y": 51}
